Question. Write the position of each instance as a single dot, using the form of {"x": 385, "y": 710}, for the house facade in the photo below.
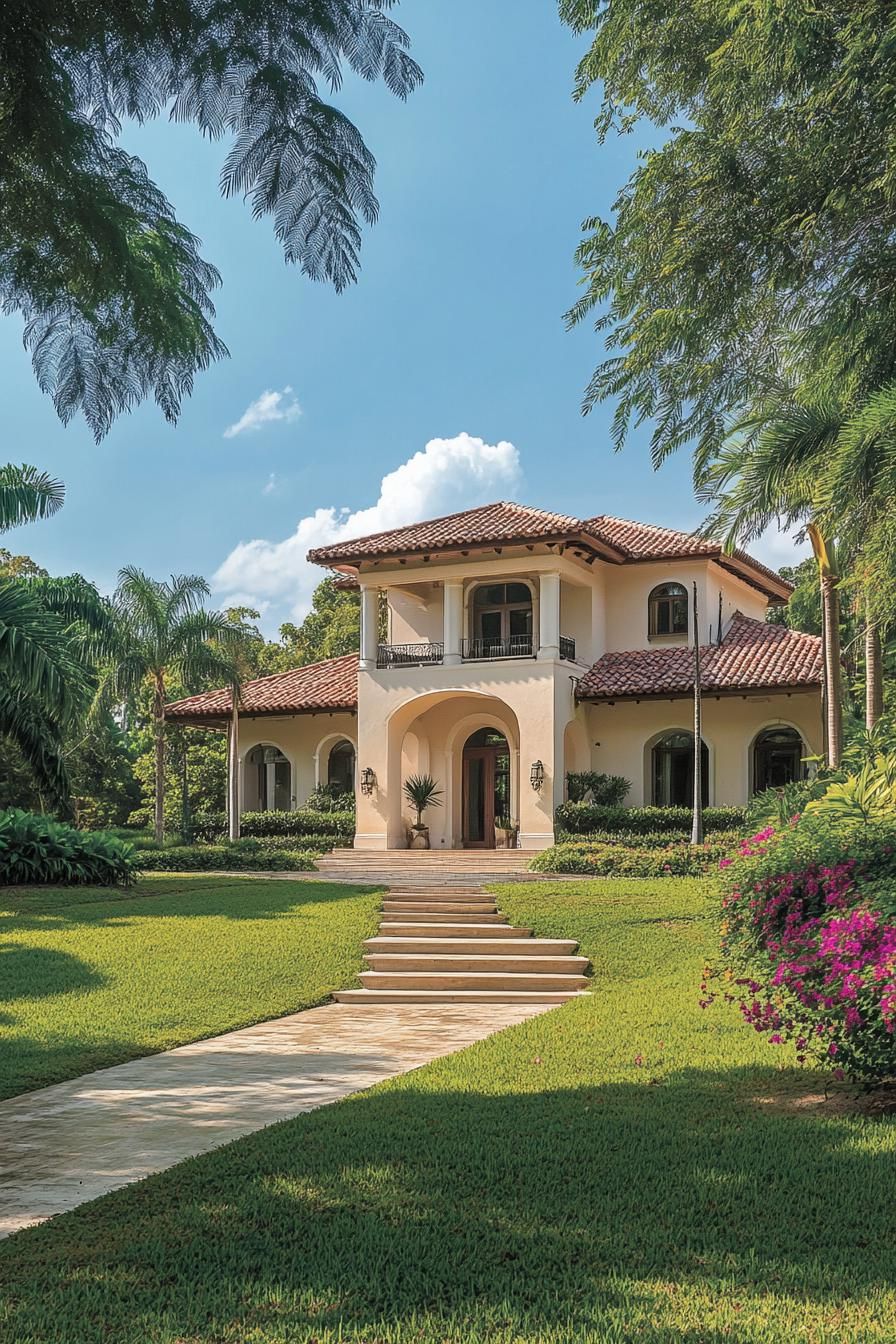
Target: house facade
{"x": 502, "y": 648}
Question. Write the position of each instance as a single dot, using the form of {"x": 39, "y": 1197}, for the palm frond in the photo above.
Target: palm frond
{"x": 26, "y": 495}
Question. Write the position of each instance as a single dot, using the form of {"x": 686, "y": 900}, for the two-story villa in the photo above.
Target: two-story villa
{"x": 504, "y": 646}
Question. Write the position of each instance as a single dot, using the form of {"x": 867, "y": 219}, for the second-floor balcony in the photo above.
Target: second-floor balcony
{"x": 471, "y": 650}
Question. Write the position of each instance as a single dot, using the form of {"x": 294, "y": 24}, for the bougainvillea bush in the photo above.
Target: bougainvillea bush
{"x": 808, "y": 941}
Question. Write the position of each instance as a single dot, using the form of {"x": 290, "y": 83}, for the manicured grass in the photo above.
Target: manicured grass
{"x": 624, "y": 1168}
{"x": 90, "y": 977}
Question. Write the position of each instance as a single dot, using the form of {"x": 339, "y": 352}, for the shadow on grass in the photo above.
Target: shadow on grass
{"x": 597, "y": 1213}
{"x": 25, "y": 908}
{"x": 40, "y": 972}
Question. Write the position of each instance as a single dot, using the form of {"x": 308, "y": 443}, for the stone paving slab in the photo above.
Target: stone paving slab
{"x": 65, "y": 1144}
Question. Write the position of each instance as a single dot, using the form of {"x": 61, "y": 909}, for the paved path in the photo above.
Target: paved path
{"x": 74, "y": 1141}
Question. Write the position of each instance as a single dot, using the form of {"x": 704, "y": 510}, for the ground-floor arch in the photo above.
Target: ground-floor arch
{"x": 777, "y": 758}
{"x": 267, "y": 779}
{"x": 669, "y": 760}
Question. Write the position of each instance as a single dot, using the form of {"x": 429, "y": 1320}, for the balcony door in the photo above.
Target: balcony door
{"x": 502, "y": 621}
{"x": 486, "y": 787}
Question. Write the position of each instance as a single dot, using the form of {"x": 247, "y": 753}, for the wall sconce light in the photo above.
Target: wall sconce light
{"x": 536, "y": 775}
{"x": 368, "y": 781}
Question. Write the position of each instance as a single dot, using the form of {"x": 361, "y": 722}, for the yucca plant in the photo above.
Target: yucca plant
{"x": 422, "y": 792}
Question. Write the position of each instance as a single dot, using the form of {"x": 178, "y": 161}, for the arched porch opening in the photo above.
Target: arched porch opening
{"x": 267, "y": 780}
{"x": 669, "y": 764}
{"x": 776, "y": 758}
{"x": 428, "y": 735}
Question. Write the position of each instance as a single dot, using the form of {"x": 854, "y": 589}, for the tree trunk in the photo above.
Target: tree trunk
{"x": 874, "y": 671}
{"x": 233, "y": 769}
{"x": 830, "y": 601}
{"x": 697, "y": 817}
{"x": 159, "y": 724}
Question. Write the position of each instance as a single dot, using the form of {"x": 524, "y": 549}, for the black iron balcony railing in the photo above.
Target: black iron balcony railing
{"x": 518, "y": 646}
{"x": 567, "y": 648}
{"x": 408, "y": 655}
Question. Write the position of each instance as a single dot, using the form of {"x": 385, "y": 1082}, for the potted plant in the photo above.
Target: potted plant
{"x": 421, "y": 792}
{"x": 505, "y": 833}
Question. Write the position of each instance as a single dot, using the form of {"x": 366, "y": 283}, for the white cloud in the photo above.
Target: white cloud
{"x": 449, "y": 474}
{"x": 776, "y": 548}
{"x": 270, "y": 484}
{"x": 265, "y": 410}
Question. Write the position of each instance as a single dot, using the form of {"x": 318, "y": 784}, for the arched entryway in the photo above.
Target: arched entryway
{"x": 486, "y": 797}
{"x": 341, "y": 766}
{"x": 267, "y": 780}
{"x": 777, "y": 758}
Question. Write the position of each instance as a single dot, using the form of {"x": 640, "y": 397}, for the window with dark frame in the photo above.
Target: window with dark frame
{"x": 502, "y": 617}
{"x": 668, "y": 610}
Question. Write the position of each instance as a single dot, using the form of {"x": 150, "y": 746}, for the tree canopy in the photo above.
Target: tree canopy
{"x": 759, "y": 238}
{"x": 113, "y": 289}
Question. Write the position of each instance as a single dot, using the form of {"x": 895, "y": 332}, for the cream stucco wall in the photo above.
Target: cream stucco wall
{"x": 621, "y": 735}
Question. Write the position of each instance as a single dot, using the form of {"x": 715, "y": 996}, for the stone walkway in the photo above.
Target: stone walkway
{"x": 72, "y": 1142}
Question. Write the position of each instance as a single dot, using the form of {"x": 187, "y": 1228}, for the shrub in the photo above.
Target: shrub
{"x": 240, "y": 856}
{"x": 808, "y": 941}
{"x": 340, "y": 825}
{"x": 723, "y": 840}
{"x": 605, "y": 790}
{"x": 586, "y": 819}
{"x": 37, "y": 849}
{"x": 627, "y": 860}
{"x": 330, "y": 798}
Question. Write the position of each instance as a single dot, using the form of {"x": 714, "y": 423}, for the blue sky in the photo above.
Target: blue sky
{"x": 455, "y": 328}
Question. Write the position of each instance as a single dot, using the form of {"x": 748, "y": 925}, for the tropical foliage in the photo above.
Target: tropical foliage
{"x": 113, "y": 289}
{"x": 422, "y": 792}
{"x": 34, "y": 849}
{"x": 600, "y": 790}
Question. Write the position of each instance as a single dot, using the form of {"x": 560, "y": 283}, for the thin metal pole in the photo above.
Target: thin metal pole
{"x": 697, "y": 818}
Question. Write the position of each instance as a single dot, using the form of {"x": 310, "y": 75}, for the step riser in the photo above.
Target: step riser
{"x": 460, "y": 947}
{"x": 433, "y": 963}
{"x": 424, "y": 929}
{"x": 470, "y": 980}
{"x": 375, "y": 996}
{"x": 439, "y": 907}
{"x": 442, "y": 917}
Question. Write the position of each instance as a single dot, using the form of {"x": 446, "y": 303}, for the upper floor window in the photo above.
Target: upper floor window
{"x": 668, "y": 610}
{"x": 502, "y": 618}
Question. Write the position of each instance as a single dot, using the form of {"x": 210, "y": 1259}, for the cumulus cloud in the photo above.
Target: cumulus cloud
{"x": 447, "y": 475}
{"x": 265, "y": 410}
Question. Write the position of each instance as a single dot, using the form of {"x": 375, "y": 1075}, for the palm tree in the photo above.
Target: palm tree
{"x": 164, "y": 633}
{"x": 771, "y": 469}
{"x": 51, "y": 631}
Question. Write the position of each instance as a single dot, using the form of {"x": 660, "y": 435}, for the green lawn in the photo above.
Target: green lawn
{"x": 90, "y": 977}
{"x": 624, "y": 1168}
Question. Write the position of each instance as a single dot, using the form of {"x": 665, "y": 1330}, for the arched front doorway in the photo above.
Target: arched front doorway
{"x": 268, "y": 780}
{"x": 777, "y": 758}
{"x": 672, "y": 770}
{"x": 486, "y": 787}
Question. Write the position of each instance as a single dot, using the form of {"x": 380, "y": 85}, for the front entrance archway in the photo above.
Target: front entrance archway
{"x": 486, "y": 787}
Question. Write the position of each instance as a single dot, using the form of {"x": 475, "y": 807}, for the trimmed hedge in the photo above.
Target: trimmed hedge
{"x": 646, "y": 840}
{"x": 586, "y": 819}
{"x": 626, "y": 860}
{"x": 304, "y": 822}
{"x": 225, "y": 858}
{"x": 35, "y": 849}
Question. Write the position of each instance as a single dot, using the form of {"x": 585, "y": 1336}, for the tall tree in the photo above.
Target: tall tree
{"x": 165, "y": 634}
{"x": 51, "y": 631}
{"x": 112, "y": 287}
{"x": 759, "y": 236}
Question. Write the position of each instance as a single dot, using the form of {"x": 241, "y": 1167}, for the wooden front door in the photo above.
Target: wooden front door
{"x": 486, "y": 790}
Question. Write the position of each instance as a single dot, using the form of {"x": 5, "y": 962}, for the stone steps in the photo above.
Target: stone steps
{"x": 454, "y": 946}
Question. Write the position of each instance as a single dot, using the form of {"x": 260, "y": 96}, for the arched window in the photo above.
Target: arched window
{"x": 502, "y": 620}
{"x": 271, "y": 773}
{"x": 777, "y": 758}
{"x": 667, "y": 610}
{"x": 672, "y": 766}
{"x": 341, "y": 766}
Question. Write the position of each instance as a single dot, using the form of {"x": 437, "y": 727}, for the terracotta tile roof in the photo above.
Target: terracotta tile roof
{"x": 619, "y": 539}
{"x": 329, "y": 685}
{"x": 753, "y": 656}
{"x": 502, "y": 522}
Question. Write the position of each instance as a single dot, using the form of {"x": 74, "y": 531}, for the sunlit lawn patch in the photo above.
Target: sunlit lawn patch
{"x": 624, "y": 1168}
{"x": 90, "y": 977}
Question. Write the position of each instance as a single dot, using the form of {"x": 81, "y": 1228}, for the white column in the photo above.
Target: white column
{"x": 369, "y": 605}
{"x": 271, "y": 789}
{"x": 453, "y": 619}
{"x": 549, "y": 616}
{"x": 233, "y": 771}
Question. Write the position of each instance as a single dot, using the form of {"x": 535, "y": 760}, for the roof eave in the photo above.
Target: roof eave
{"x": 717, "y": 692}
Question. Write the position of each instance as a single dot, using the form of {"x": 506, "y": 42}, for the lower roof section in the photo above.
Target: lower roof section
{"x": 316, "y": 688}
{"x": 752, "y": 656}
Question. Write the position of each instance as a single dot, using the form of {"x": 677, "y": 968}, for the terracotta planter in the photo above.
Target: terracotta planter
{"x": 505, "y": 837}
{"x": 419, "y": 838}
